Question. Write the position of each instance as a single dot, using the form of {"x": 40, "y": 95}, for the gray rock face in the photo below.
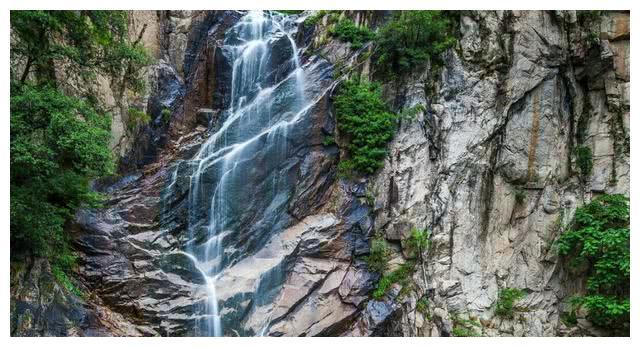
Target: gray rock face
{"x": 516, "y": 96}
{"x": 509, "y": 106}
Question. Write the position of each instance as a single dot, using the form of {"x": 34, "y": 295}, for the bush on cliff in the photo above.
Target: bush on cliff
{"x": 597, "y": 245}
{"x": 410, "y": 39}
{"x": 368, "y": 124}
{"x": 346, "y": 30}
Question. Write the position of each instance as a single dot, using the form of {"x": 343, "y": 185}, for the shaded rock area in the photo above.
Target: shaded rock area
{"x": 502, "y": 118}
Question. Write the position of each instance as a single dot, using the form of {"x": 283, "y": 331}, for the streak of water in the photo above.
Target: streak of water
{"x": 250, "y": 130}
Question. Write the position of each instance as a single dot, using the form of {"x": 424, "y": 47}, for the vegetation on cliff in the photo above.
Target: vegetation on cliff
{"x": 412, "y": 38}
{"x": 346, "y": 30}
{"x": 364, "y": 118}
{"x": 60, "y": 132}
{"x": 598, "y": 246}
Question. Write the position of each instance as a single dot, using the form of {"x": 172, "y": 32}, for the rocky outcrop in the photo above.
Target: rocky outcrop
{"x": 522, "y": 90}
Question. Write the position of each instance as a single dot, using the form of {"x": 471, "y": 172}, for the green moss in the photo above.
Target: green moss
{"x": 418, "y": 242}
{"x": 317, "y": 17}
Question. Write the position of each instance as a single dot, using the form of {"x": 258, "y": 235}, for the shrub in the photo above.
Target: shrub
{"x": 166, "y": 115}
{"x": 422, "y": 305}
{"x": 410, "y": 39}
{"x": 136, "y": 119}
{"x": 584, "y": 160}
{"x": 365, "y": 119}
{"x": 464, "y": 327}
{"x": 347, "y": 31}
{"x": 62, "y": 278}
{"x": 378, "y": 258}
{"x": 328, "y": 141}
{"x": 464, "y": 332}
{"x": 506, "y": 298}
{"x": 598, "y": 244}
{"x": 402, "y": 275}
{"x": 418, "y": 242}
{"x": 58, "y": 144}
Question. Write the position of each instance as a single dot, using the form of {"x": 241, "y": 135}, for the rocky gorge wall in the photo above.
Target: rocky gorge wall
{"x": 503, "y": 116}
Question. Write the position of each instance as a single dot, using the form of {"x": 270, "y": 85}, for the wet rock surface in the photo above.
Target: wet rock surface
{"x": 504, "y": 118}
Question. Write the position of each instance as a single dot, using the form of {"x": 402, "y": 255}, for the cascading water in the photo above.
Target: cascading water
{"x": 241, "y": 180}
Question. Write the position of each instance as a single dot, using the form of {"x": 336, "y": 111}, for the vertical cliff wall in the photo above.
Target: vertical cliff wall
{"x": 503, "y": 116}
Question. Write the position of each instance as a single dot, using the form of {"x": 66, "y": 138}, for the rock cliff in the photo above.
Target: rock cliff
{"x": 487, "y": 165}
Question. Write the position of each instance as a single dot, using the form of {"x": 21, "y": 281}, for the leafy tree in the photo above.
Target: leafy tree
{"x": 411, "y": 38}
{"x": 60, "y": 134}
{"x": 58, "y": 144}
{"x": 84, "y": 42}
{"x": 365, "y": 119}
{"x": 598, "y": 243}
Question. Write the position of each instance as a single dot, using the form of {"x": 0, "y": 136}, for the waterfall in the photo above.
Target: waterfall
{"x": 234, "y": 165}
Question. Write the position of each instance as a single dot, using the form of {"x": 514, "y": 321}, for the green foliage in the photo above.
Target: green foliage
{"x": 137, "y": 118}
{"x": 65, "y": 281}
{"x": 290, "y": 12}
{"x": 584, "y": 160}
{"x": 506, "y": 298}
{"x": 422, "y": 305}
{"x": 347, "y": 31}
{"x": 411, "y": 112}
{"x": 58, "y": 144}
{"x": 317, "y": 17}
{"x": 464, "y": 327}
{"x": 520, "y": 195}
{"x": 365, "y": 119}
{"x": 86, "y": 42}
{"x": 166, "y": 115}
{"x": 411, "y": 38}
{"x": 402, "y": 275}
{"x": 378, "y": 258}
{"x": 418, "y": 242}
{"x": 598, "y": 243}
{"x": 464, "y": 332}
{"x": 329, "y": 141}
{"x": 569, "y": 318}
